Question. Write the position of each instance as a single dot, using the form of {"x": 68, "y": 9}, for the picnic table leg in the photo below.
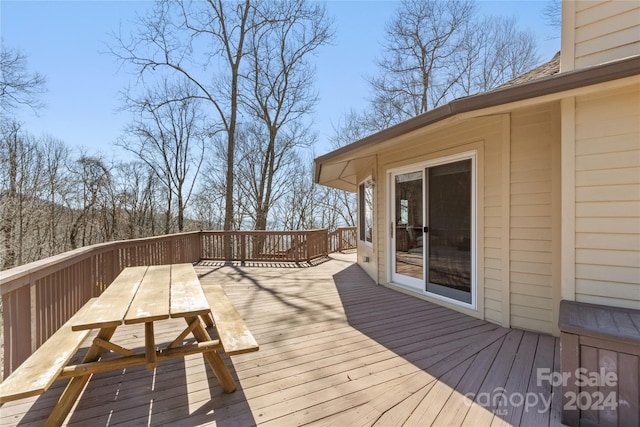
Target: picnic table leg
{"x": 76, "y": 384}
{"x": 217, "y": 364}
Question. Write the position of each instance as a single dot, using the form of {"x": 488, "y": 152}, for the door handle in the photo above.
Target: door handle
{"x": 426, "y": 229}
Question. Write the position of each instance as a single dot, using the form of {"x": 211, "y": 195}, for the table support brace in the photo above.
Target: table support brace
{"x": 217, "y": 365}
{"x": 77, "y": 384}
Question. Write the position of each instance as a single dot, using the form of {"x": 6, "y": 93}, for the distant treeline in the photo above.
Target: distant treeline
{"x": 54, "y": 199}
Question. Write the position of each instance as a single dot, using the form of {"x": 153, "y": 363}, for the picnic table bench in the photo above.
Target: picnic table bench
{"x": 139, "y": 295}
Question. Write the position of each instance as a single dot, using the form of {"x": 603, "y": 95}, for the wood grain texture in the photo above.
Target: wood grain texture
{"x": 36, "y": 374}
{"x": 110, "y": 309}
{"x": 186, "y": 297}
{"x": 151, "y": 302}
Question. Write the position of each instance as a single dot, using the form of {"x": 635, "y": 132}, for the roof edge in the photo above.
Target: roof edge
{"x": 561, "y": 82}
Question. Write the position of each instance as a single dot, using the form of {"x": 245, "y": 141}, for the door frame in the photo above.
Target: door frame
{"x": 409, "y": 284}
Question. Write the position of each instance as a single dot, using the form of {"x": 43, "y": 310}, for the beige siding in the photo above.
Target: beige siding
{"x": 608, "y": 198}
{"x": 534, "y": 135}
{"x": 605, "y": 31}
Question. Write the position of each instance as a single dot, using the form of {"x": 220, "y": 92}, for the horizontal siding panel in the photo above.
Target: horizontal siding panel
{"x": 530, "y": 256}
{"x": 628, "y": 291}
{"x": 531, "y": 234}
{"x": 492, "y": 211}
{"x": 623, "y": 242}
{"x": 492, "y": 222}
{"x": 611, "y": 127}
{"x": 540, "y": 162}
{"x": 608, "y": 225}
{"x": 603, "y": 300}
{"x": 531, "y": 301}
{"x": 492, "y": 284}
{"x": 492, "y": 253}
{"x": 608, "y": 209}
{"x": 608, "y": 257}
{"x": 492, "y": 316}
{"x": 531, "y": 187}
{"x": 493, "y": 294}
{"x": 530, "y": 245}
{"x": 610, "y": 144}
{"x": 608, "y": 193}
{"x": 530, "y": 176}
{"x": 492, "y": 273}
{"x": 492, "y": 263}
{"x": 531, "y": 268}
{"x": 588, "y": 12}
{"x": 608, "y": 177}
{"x": 492, "y": 232}
{"x": 531, "y": 222}
{"x": 531, "y": 279}
{"x": 531, "y": 199}
{"x": 531, "y": 324}
{"x": 612, "y": 274}
{"x": 527, "y": 289}
{"x": 627, "y": 19}
{"x": 492, "y": 243}
{"x": 609, "y": 55}
{"x": 627, "y": 36}
{"x": 531, "y": 312}
{"x": 492, "y": 201}
{"x": 625, "y": 159}
{"x": 525, "y": 211}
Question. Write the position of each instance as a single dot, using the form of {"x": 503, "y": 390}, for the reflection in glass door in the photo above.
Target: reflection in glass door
{"x": 408, "y": 223}
{"x": 449, "y": 210}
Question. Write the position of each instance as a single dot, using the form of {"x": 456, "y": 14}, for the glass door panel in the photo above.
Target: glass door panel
{"x": 449, "y": 209}
{"x": 408, "y": 223}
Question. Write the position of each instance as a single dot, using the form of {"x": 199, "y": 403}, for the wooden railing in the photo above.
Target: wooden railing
{"x": 246, "y": 246}
{"x": 343, "y": 239}
{"x": 39, "y": 297}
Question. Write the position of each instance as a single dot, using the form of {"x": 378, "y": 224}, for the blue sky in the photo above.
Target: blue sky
{"x": 63, "y": 40}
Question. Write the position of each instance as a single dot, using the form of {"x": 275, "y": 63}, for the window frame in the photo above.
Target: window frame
{"x": 365, "y": 186}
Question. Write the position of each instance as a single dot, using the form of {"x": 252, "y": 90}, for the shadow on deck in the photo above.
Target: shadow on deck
{"x": 335, "y": 349}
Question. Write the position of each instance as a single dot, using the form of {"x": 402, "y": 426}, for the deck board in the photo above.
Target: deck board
{"x": 335, "y": 349}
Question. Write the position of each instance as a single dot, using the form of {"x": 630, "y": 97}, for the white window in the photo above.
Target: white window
{"x": 365, "y": 211}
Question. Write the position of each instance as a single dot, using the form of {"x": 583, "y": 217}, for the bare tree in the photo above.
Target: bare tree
{"x": 278, "y": 92}
{"x": 90, "y": 178}
{"x": 18, "y": 86}
{"x": 437, "y": 51}
{"x": 169, "y": 139}
{"x": 493, "y": 51}
{"x": 183, "y": 38}
{"x": 552, "y": 13}
{"x": 422, "y": 40}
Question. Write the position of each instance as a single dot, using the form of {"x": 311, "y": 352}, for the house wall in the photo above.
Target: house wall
{"x": 534, "y": 204}
{"x": 518, "y": 234}
{"x": 595, "y": 32}
{"x": 485, "y": 135}
{"x": 607, "y": 197}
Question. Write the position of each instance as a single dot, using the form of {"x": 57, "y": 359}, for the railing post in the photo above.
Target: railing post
{"x": 243, "y": 248}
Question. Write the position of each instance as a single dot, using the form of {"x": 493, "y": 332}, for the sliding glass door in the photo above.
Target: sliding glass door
{"x": 432, "y": 235}
{"x": 449, "y": 197}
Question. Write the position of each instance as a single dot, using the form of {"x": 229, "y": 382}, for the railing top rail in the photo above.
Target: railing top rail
{"x": 246, "y": 232}
{"x": 59, "y": 261}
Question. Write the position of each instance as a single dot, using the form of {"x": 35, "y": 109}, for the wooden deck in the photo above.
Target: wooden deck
{"x": 335, "y": 349}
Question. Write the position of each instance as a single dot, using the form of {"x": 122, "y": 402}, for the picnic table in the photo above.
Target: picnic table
{"x": 139, "y": 295}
